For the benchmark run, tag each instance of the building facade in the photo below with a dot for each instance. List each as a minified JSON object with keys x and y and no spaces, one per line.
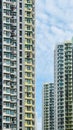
{"x":63,"y":75}
{"x":48,"y":107}
{"x":17,"y":65}
{"x":29,"y":63}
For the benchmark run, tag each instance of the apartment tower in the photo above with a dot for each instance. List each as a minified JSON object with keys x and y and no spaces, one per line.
{"x":48,"y":107}
{"x":29,"y":63}
{"x":63,"y":74}
{"x":17,"y":64}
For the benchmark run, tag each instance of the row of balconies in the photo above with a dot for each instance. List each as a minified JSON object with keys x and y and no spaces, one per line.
{"x":8,"y":121}
{"x":9,"y":79}
{"x":9,"y":64}
{"x":11,"y":71}
{"x":12,"y":53}
{"x":9,"y":93}
{"x":28,"y":2}
{"x":29,"y":111}
{"x":31,"y":96}
{"x":31,"y":92}
{"x":8,"y":15}
{"x":30,"y":63}
{"x":29,"y":22}
{"x":28,"y":56}
{"x":8,"y":37}
{"x":11,"y":101}
{"x":26,"y":70}
{"x":9,"y":108}
{"x":10,"y":2}
{"x":29,"y":36}
{"x":7,"y":112}
{"x":29,"y":118}
{"x":9,"y":34}
{"x":28,"y":9}
{"x":30,"y":49}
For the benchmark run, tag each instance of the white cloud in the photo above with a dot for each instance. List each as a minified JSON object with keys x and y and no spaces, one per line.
{"x":51,"y":29}
{"x":54,"y":24}
{"x":57,"y":30}
{"x":38,"y":123}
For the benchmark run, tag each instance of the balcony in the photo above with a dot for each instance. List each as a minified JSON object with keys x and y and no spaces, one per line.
{"x":13,"y":66}
{"x":28,"y":9}
{"x":28,"y":2}
{"x":13,"y":59}
{"x":13,"y":79}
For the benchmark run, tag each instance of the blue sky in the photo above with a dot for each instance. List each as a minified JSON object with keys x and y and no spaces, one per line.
{"x":54,"y":24}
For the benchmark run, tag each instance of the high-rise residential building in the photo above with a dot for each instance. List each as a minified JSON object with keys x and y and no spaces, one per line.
{"x":29,"y":63}
{"x":17,"y":64}
{"x":48,"y":107}
{"x":63,"y":74}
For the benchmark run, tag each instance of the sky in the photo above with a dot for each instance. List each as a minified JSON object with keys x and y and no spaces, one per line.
{"x":54,"y":24}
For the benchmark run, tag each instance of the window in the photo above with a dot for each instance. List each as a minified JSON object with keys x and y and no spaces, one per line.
{"x":12,"y":112}
{"x":20,"y":67}
{"x":12,"y":105}
{"x":8,"y":119}
{"x":28,"y":108}
{"x":7,"y":69}
{"x":20,"y":12}
{"x":20,"y":109}
{"x":7,"y":48}
{"x":28,"y":20}
{"x":21,"y":26}
{"x":28,"y":122}
{"x":20,"y":53}
{"x":20,"y":5}
{"x":28,"y":101}
{"x":28,"y":14}
{"x":20,"y":60}
{"x":28,"y":74}
{"x":20,"y":81}
{"x":7,"y":97}
{"x":28,"y":128}
{"x":7,"y":33}
{"x":28,"y":33}
{"x":20,"y":88}
{"x":28,"y":115}
{"x":7,"y":40}
{"x":7,"y":20}
{"x":7,"y":125}
{"x":8,"y":90}
{"x":7,"y":111}
{"x":21,"y":40}
{"x":29,"y":81}
{"x":20,"y":46}
{"x":20,"y":33}
{"x":7,"y":104}
{"x":28,"y":95}
{"x":28,"y":88}
{"x":28,"y":40}
{"x":28,"y":67}
{"x":21,"y":116}
{"x":28,"y":27}
{"x":7,"y":5}
{"x":20,"y":102}
{"x":20,"y":19}
{"x":20,"y":95}
{"x":20,"y":74}
{"x":28,"y":1}
{"x":20,"y":123}
{"x":7,"y":55}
